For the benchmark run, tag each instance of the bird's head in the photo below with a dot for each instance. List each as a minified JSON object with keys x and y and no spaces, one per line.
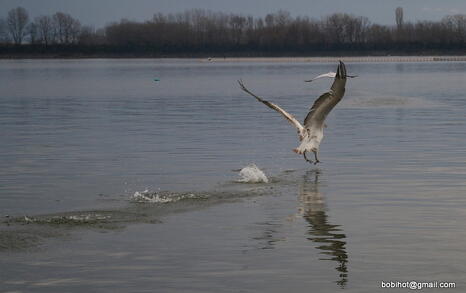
{"x":341,"y":71}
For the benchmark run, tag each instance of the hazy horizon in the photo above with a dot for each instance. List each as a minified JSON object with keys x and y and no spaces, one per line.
{"x":100,"y":13}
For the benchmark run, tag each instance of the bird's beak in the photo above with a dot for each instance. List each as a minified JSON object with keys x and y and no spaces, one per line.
{"x":341,"y":71}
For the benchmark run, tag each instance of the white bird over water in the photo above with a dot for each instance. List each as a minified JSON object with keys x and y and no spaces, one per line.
{"x":311,"y":133}
{"x":330,"y":74}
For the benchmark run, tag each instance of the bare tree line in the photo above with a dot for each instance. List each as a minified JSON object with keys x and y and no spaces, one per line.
{"x":202,"y":31}
{"x":59,"y":28}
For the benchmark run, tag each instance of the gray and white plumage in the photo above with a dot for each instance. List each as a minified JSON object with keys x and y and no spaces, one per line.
{"x":312,"y":132}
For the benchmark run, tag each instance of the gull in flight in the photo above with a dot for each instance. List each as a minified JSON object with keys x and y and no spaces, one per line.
{"x":329,"y":74}
{"x":311,"y":133}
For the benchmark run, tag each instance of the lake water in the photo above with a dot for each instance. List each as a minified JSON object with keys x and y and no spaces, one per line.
{"x":111,"y":181}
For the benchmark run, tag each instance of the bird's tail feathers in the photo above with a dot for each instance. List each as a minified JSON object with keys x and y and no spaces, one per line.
{"x":308,"y":145}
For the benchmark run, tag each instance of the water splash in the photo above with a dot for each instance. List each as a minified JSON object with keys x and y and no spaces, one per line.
{"x":77,"y":218}
{"x":147,"y":196}
{"x":252,"y":174}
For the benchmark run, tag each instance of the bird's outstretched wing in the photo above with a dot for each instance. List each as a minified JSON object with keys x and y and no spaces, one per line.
{"x":321,"y":107}
{"x":327,"y":101}
{"x":285,"y":114}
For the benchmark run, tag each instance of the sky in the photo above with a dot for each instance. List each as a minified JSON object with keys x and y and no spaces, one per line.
{"x":100,"y":12}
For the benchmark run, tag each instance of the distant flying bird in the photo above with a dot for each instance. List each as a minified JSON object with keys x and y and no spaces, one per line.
{"x":312,"y":132}
{"x":329,"y":74}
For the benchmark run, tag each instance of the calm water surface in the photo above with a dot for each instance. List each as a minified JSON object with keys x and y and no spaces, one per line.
{"x":80,"y":137}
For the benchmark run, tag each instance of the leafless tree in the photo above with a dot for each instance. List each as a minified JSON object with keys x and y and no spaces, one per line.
{"x":379,"y":36}
{"x":66,"y":28}
{"x":201,"y":31}
{"x":4,"y":38}
{"x":44,"y":29}
{"x":33,"y":33}
{"x":456,"y":26}
{"x":91,"y":37}
{"x":237,"y":24}
{"x":399,"y":17}
{"x":335,"y":28}
{"x":17,"y":21}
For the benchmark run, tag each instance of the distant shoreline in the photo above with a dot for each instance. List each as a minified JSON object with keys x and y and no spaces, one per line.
{"x":343,"y":58}
{"x":353,"y":59}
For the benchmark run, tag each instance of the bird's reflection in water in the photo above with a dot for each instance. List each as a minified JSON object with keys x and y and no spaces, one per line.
{"x":329,"y":238}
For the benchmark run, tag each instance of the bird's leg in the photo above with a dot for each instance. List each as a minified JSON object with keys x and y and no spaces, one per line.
{"x":307,"y":158}
{"x":315,"y":155}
